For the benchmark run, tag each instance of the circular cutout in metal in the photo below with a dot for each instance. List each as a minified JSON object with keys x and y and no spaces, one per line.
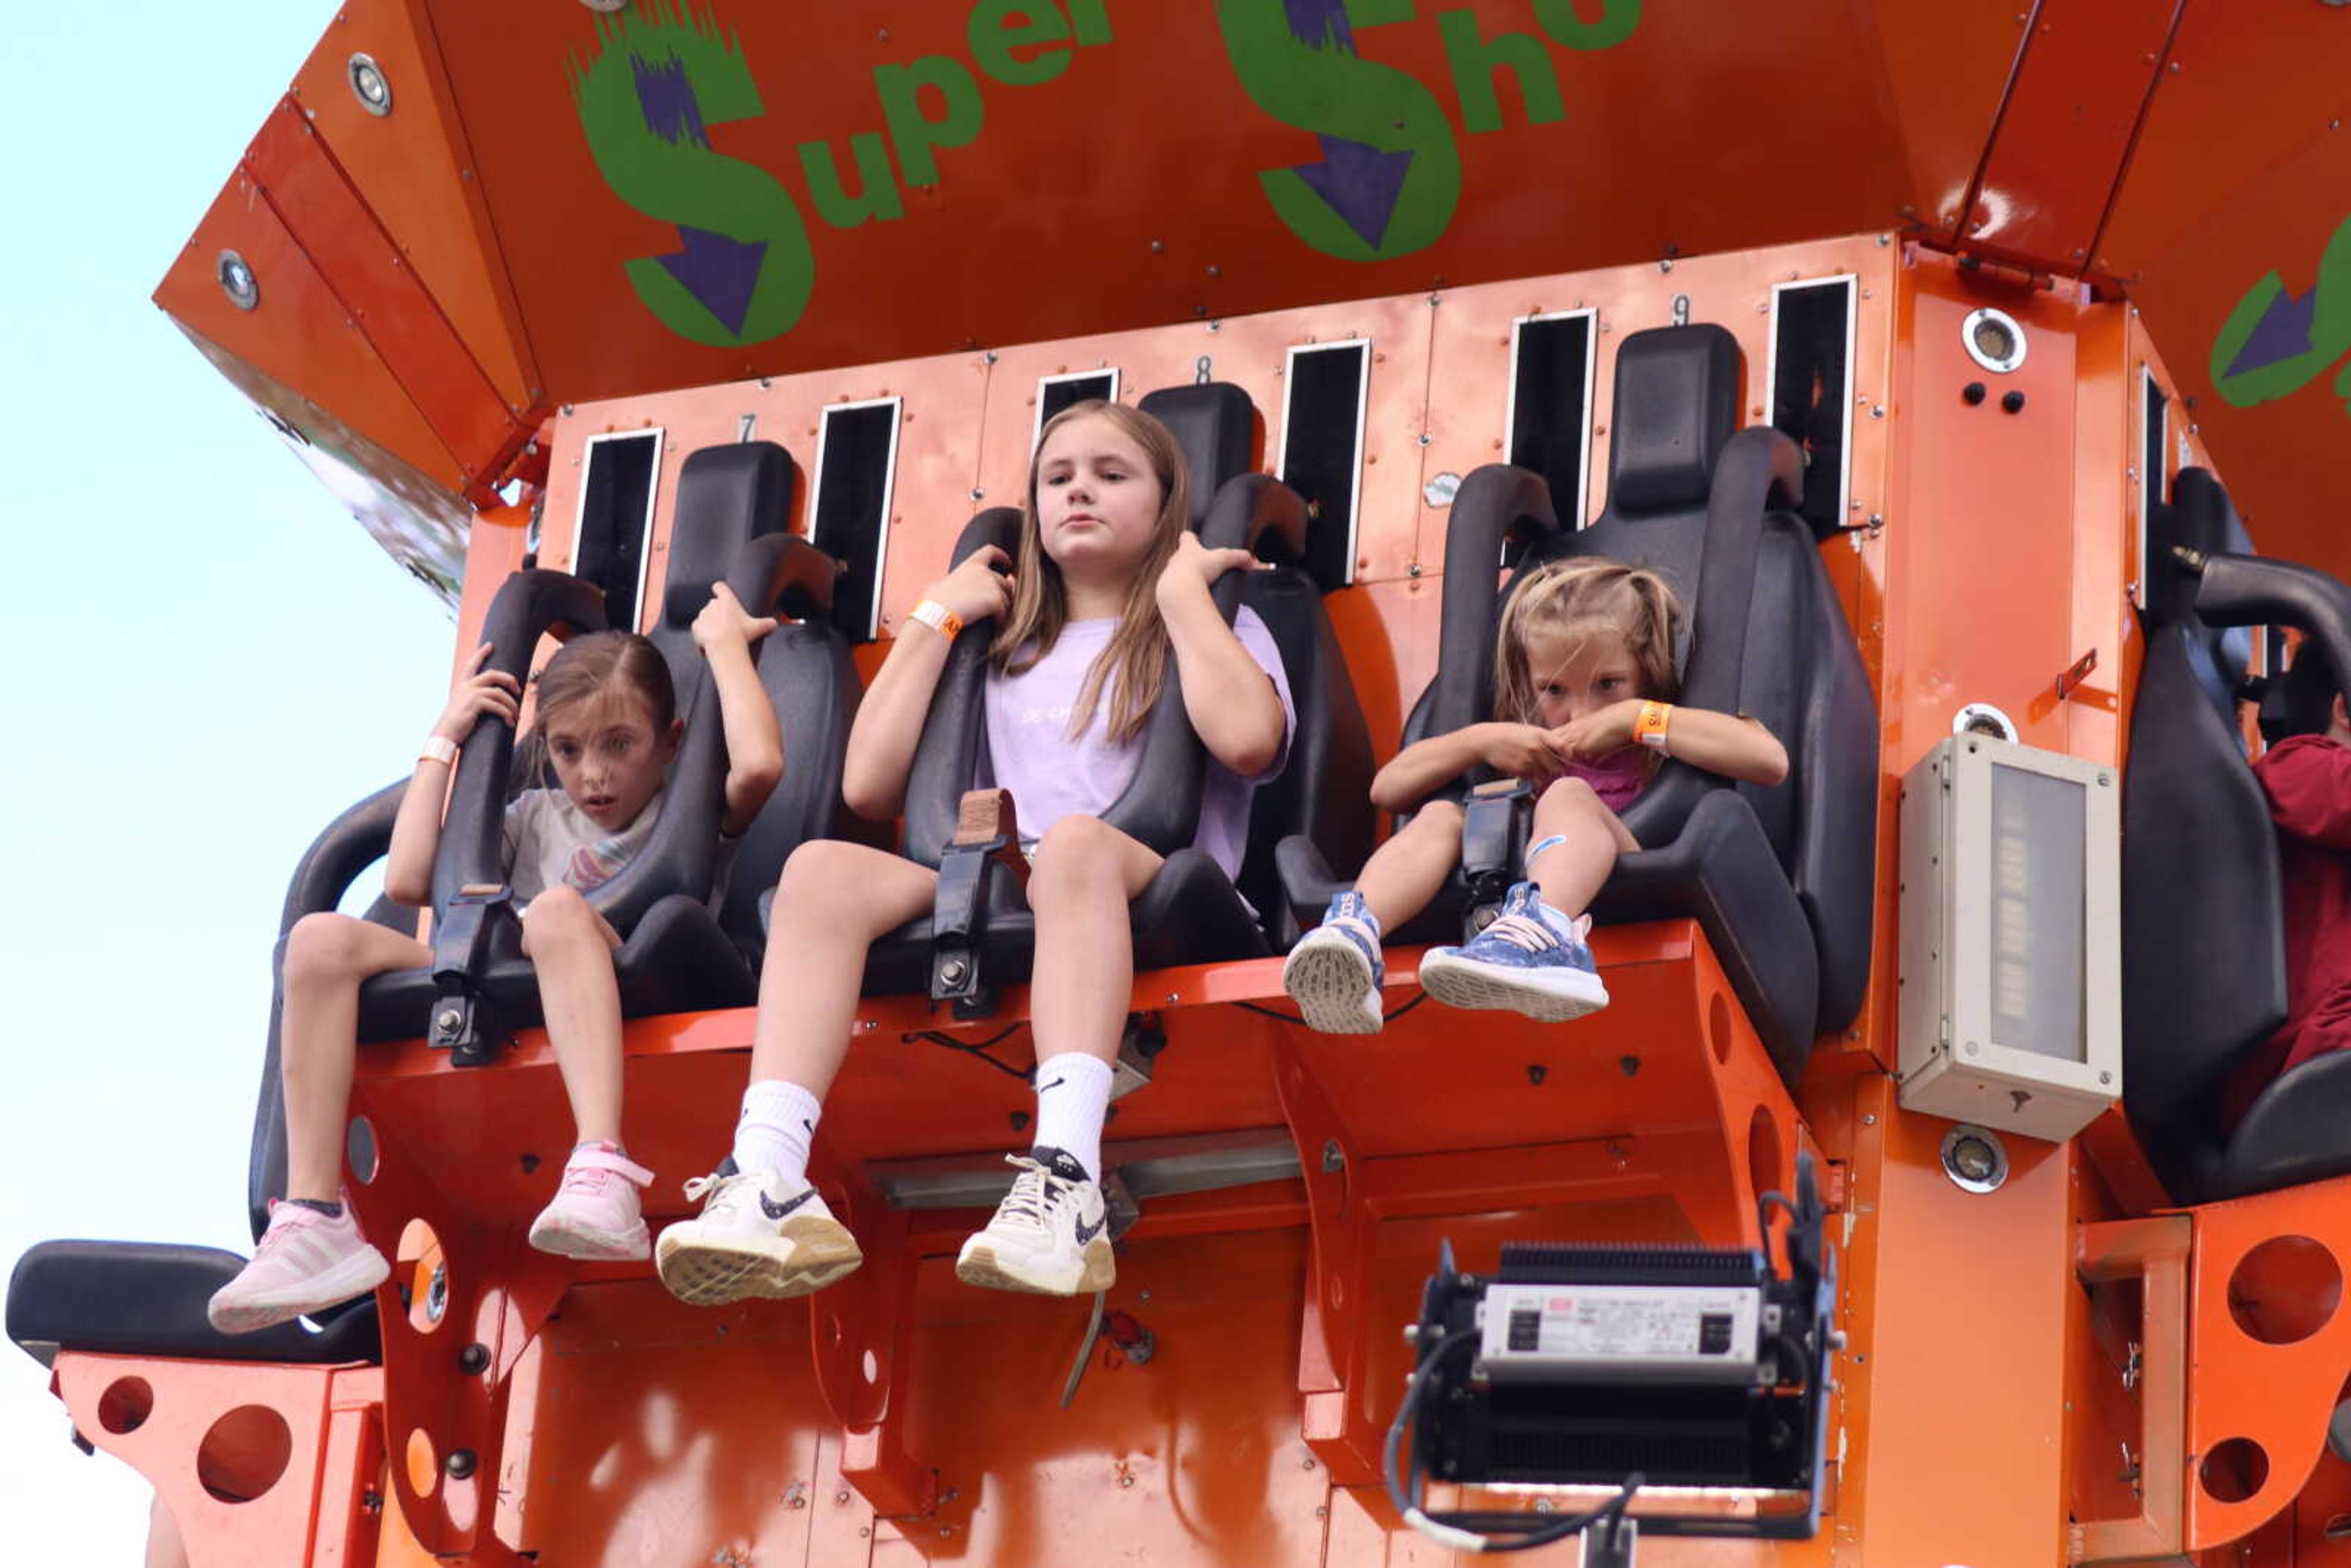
{"x":1983,"y":719}
{"x":236,"y":280}
{"x":369,"y":85}
{"x":1974,"y":1158}
{"x":1993,"y":340}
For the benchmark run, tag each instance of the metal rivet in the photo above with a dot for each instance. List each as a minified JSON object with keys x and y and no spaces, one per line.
{"x":460,"y":1463}
{"x":474,"y":1360}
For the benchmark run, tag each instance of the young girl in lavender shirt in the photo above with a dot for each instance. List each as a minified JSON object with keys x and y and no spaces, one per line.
{"x":1585,"y":682}
{"x":1109,"y":589}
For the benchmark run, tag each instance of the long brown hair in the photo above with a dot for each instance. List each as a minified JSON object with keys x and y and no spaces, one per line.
{"x":1578,"y":594}
{"x":586,"y":668}
{"x":1134,"y":664}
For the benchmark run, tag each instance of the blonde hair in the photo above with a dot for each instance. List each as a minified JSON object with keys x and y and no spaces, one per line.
{"x":1575,"y":597}
{"x":1134,"y":664}
{"x":588,"y":668}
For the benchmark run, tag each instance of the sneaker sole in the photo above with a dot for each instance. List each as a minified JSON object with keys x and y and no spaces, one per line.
{"x":566,"y":1240}
{"x":1553,"y":997}
{"x":980,"y":1264}
{"x":713,"y":1273}
{"x":1334,"y":989}
{"x":354,"y":1276}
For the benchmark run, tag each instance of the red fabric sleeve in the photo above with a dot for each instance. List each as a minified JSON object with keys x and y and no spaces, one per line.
{"x":2308,"y":780}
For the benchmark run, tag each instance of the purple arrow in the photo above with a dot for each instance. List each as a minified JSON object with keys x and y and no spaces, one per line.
{"x":717,"y":271}
{"x":666,"y":100}
{"x":1319,"y":23}
{"x":2282,"y":333}
{"x":1360,"y":183}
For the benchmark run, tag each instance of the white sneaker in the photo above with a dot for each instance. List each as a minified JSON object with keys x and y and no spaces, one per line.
{"x":758,"y":1235}
{"x":1049,"y":1234}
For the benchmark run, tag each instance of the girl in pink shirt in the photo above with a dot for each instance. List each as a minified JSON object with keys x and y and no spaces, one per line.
{"x":1110,"y":591}
{"x":1584,"y":682}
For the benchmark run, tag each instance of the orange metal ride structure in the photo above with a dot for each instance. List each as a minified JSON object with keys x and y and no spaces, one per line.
{"x":448,"y":265}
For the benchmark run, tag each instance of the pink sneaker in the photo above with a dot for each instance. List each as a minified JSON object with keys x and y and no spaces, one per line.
{"x":304,"y":1263}
{"x":594,"y":1214}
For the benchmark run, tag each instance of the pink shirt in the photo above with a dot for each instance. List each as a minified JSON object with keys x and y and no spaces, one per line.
{"x":1617,"y":779}
{"x":1052,"y":776}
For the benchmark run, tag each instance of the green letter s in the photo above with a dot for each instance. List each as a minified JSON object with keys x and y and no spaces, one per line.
{"x":659,"y":77}
{"x":1390,"y":175}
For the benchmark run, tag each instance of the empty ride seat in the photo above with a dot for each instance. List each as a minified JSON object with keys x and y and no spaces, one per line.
{"x":2204,"y":980}
{"x":1780,"y":878}
{"x":1191,"y":913}
{"x":678,"y":954}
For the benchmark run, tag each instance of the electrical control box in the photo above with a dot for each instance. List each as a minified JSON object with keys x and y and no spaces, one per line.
{"x":1622,"y":1333}
{"x":2010,"y":991}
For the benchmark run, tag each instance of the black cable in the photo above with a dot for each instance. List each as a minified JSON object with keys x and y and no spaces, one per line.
{"x":1279,"y":1017}
{"x":1440,"y":1527}
{"x":976,"y":1050}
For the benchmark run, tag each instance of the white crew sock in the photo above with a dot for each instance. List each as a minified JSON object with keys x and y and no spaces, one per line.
{"x":777,"y":1123}
{"x":1073,"y":1098}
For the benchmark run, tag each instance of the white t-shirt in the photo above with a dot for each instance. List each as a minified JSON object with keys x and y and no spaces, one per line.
{"x":549,"y":839}
{"x":1050,"y":776}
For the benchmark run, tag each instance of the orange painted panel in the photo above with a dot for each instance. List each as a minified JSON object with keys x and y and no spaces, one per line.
{"x":1964,"y":1356}
{"x":299,"y":334}
{"x":1001,"y":226}
{"x":1945,"y":73}
{"x":2067,"y":126}
{"x":414,"y":170}
{"x":361,"y":263}
{"x":1980,"y":596}
{"x":2237,"y":104}
{"x":2269,"y":395}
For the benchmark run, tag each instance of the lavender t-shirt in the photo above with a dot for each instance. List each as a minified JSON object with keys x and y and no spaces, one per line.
{"x":1052,"y":776}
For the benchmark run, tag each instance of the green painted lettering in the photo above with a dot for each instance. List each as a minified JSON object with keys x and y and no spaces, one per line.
{"x":1390,"y":183}
{"x":915,"y":134}
{"x":1092,"y":22}
{"x":877,"y":189}
{"x":661,"y":75}
{"x":1475,"y":61}
{"x":1617,"y":20}
{"x":993,"y":38}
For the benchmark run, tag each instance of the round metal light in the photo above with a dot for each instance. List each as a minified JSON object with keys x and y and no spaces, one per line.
{"x":369,"y":85}
{"x":236,"y":280}
{"x":1974,"y":1158}
{"x":1983,"y":719}
{"x":1993,"y":340}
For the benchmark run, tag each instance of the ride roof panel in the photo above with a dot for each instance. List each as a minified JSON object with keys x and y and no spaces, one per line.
{"x":681,"y":193}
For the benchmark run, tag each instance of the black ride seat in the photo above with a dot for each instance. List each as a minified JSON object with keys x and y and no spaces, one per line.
{"x":1780,"y":878}
{"x":2204,"y":978}
{"x":678,"y":954}
{"x":138,"y":1297}
{"x":1191,"y":913}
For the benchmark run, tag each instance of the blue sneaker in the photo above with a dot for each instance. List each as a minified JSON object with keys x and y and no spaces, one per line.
{"x":1335,"y":971}
{"x":1532,"y":960}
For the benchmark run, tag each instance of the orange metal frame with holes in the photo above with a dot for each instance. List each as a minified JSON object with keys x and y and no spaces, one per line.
{"x":2062,"y":1371}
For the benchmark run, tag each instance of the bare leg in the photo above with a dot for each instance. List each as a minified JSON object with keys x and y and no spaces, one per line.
{"x":834,"y":900}
{"x":1405,"y":872}
{"x":571,"y":946}
{"x":1087,"y":872}
{"x":1571,"y":873}
{"x":326,"y":957}
{"x":164,"y":1548}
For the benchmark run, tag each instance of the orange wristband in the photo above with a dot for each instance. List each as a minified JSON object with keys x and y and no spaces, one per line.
{"x":938,"y":617}
{"x":1649,"y":729}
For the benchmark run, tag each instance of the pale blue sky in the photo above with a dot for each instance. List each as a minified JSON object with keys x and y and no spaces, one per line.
{"x":206,"y":659}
